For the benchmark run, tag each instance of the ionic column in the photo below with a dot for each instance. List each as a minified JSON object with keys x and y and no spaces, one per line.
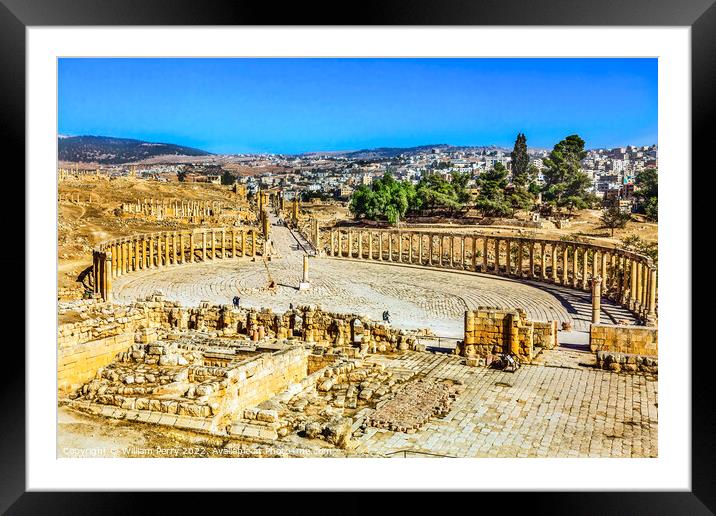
{"x":508,"y":257}
{"x":420,"y":248}
{"x":462,"y":252}
{"x":595,"y":263}
{"x":639,"y":285}
{"x":554,"y":262}
{"x":203,"y":246}
{"x":137,"y":256}
{"x":150,"y":242}
{"x":531,"y":274}
{"x":174,"y":248}
{"x":596,"y":298}
{"x":410,"y":247}
{"x":129,"y":255}
{"x":626,"y":271}
{"x":565,"y":264}
{"x":390,"y":246}
{"x":585,"y":274}
{"x":497,"y":256}
{"x":380,"y":245}
{"x":474,"y":253}
{"x":166,"y":249}
{"x":233,"y":243}
{"x":213,"y":244}
{"x":181,"y":248}
{"x":350,"y":243}
{"x":243,"y":243}
{"x":400,"y":247}
{"x":223,"y":242}
{"x":520,"y":250}
{"x":253,"y":242}
{"x":543,"y":260}
{"x":633,"y":286}
{"x":575,"y":267}
{"x":340,"y":244}
{"x":440,"y":247}
{"x":604,"y":273}
{"x":651,"y":314}
{"x":484,"y":254}
{"x":431,"y":245}
{"x":370,"y":245}
{"x":108,"y":276}
{"x":360,"y":245}
{"x":452,"y":250}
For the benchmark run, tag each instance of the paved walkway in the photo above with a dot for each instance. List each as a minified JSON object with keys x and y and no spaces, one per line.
{"x":538,"y":411}
{"x":417,"y":297}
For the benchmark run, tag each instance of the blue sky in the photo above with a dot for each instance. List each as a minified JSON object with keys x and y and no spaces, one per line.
{"x":301,"y":105}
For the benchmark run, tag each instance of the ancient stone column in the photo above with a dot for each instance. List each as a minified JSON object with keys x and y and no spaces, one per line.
{"x":595,"y":263}
{"x":474,"y":253}
{"x":452,"y":250}
{"x":484,"y":254}
{"x":203,"y":246}
{"x":585,"y":268}
{"x":370,"y":245}
{"x":633,"y":286}
{"x":520,"y":265}
{"x":380,"y":245}
{"x":137,"y":256}
{"x":462,"y":252}
{"x":543,"y":260}
{"x":107,"y":276}
{"x":316,"y":235}
{"x":531,"y":273}
{"x":410,"y":247}
{"x":575,"y":267}
{"x":497,"y":256}
{"x":350,"y":243}
{"x":553,"y":247}
{"x":305,"y":268}
{"x":253,"y":242}
{"x":604,"y":273}
{"x":181,"y":247}
{"x":431,"y":245}
{"x":623,"y":289}
{"x":596,"y":298}
{"x":339,"y":238}
{"x":175,"y":258}
{"x":166,"y":249}
{"x":441,"y":249}
{"x":243,"y":243}
{"x":213,"y":244}
{"x":360,"y":244}
{"x":565,"y":264}
{"x":651,"y":314}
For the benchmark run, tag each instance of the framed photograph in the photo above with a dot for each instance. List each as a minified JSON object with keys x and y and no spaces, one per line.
{"x":420,"y":252}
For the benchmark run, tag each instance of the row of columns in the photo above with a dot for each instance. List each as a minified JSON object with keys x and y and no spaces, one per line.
{"x":172,"y":208}
{"x":627,"y":278}
{"x":118,"y":257}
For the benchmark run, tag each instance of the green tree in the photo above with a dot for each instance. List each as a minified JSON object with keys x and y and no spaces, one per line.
{"x":181,"y":175}
{"x":520,"y":161}
{"x":613,"y":218}
{"x":647,"y":183}
{"x":227,"y":178}
{"x":492,"y":201}
{"x":565,"y":182}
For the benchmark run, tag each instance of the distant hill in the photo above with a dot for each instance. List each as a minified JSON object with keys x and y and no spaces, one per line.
{"x":111,"y":151}
{"x":391,"y":152}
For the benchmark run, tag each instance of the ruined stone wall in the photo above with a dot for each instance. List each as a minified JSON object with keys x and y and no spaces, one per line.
{"x":489,"y":331}
{"x":635,"y":340}
{"x":545,"y":334}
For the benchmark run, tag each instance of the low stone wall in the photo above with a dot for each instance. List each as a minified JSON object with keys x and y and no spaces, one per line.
{"x":633,"y":340}
{"x":492,"y":330}
{"x":78,"y":362}
{"x":545,"y":334}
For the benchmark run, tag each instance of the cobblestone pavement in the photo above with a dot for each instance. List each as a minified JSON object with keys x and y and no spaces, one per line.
{"x":417,"y":297}
{"x":538,"y":411}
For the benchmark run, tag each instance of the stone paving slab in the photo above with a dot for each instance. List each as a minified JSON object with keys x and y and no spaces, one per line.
{"x":537,"y":411}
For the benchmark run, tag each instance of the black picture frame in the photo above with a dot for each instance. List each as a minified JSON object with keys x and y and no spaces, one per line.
{"x":17,"y":15}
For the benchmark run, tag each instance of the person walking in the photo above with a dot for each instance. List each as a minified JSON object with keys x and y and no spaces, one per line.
{"x":237,"y":301}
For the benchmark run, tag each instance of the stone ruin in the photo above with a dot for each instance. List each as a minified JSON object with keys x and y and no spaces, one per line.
{"x":240,"y":373}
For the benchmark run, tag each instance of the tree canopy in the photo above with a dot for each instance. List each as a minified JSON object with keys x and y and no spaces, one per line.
{"x":565,"y":182}
{"x":520,"y":161}
{"x":647,"y":183}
